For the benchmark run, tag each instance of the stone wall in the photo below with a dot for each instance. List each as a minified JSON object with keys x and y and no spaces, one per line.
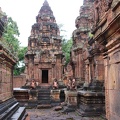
{"x":107,"y":33}
{"x":7,"y":61}
{"x":5,"y":80}
{"x":19,"y":81}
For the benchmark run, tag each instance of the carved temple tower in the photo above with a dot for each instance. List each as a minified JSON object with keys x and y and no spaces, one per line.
{"x":80,"y":37}
{"x":44,"y":55}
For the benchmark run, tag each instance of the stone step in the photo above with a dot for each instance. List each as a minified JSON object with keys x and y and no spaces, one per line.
{"x":45,"y":86}
{"x":43,"y":95}
{"x":87,"y":114}
{"x":44,"y":106}
{"x":20,"y":114}
{"x":44,"y":98}
{"x":44,"y":91}
{"x":44,"y":102}
{"x":9,"y":112}
{"x":8,"y":108}
{"x":5,"y":105}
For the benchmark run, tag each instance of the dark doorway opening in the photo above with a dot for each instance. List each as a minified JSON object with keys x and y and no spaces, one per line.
{"x":44,"y":76}
{"x":62,"y":96}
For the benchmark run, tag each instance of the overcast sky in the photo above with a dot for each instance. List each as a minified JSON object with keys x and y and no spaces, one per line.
{"x":24,"y":12}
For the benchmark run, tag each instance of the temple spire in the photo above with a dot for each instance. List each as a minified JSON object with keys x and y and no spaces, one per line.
{"x":45,"y":3}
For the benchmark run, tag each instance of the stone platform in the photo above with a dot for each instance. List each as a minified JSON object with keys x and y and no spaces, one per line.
{"x":22,"y":95}
{"x":91,"y":103}
{"x":10,"y":110}
{"x":41,"y":98}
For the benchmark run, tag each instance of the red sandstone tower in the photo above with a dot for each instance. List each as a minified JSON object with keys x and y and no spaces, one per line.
{"x":80,"y":37}
{"x":44,"y":55}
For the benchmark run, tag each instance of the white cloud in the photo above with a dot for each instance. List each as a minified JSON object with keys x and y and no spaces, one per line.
{"x":24,"y":12}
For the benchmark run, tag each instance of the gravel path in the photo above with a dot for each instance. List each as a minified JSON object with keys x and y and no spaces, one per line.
{"x":50,"y":114}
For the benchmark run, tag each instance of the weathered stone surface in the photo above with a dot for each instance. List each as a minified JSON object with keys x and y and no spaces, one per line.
{"x":22,"y":95}
{"x":49,"y":114}
{"x":107,"y":35}
{"x":57,"y":108}
{"x":7,"y":61}
{"x":55,"y":94}
{"x":91,"y":103}
{"x":19,"y":81}
{"x":81,"y":70}
{"x":9,"y":107}
{"x":44,"y":106}
{"x":72,"y":98}
{"x":87,"y":59}
{"x":44,"y":55}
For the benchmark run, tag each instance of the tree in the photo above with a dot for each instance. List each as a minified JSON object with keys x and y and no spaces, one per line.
{"x":11,"y":35}
{"x":11,"y":41}
{"x":66,"y":44}
{"x":20,"y":66}
{"x":66,"y":47}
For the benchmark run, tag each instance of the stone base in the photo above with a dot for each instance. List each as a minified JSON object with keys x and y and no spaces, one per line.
{"x":58,"y":96}
{"x":71,"y":101}
{"x":90,"y":103}
{"x":55,"y":95}
{"x":71,"y":97}
{"x":39,"y":97}
{"x":22,"y":95}
{"x":89,"y":110}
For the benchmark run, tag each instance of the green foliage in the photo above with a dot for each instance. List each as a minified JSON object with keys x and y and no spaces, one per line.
{"x":20,"y":66}
{"x":18,"y":70}
{"x":10,"y":35}
{"x":66,"y":47}
{"x":66,"y":44}
{"x":21,"y":53}
{"x":11,"y":40}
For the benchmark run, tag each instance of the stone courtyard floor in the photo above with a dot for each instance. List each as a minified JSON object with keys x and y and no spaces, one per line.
{"x":50,"y":114}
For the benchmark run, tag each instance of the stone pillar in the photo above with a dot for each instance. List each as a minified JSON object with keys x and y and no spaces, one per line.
{"x":107,"y":106}
{"x":87,"y":73}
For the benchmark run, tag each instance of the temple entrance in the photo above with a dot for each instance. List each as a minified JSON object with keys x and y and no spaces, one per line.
{"x":44,"y":76}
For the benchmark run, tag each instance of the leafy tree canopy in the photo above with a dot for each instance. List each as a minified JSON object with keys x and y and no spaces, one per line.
{"x":20,"y":66}
{"x":66,"y":47}
{"x":10,"y":36}
{"x":66,"y":44}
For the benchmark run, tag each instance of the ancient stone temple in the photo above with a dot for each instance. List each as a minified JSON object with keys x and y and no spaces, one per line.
{"x":80,"y":36}
{"x":9,"y":107}
{"x":87,"y":63}
{"x":106,"y":32}
{"x":44,"y":56}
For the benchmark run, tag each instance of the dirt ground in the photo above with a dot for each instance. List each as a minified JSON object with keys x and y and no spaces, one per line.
{"x":50,"y":114}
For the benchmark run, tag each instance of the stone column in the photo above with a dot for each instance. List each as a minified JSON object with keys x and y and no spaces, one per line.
{"x":87,"y":73}
{"x":107,"y":104}
{"x":90,"y":72}
{"x":96,"y":69}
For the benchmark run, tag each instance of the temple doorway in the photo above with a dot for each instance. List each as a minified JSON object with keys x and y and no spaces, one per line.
{"x":44,"y":76}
